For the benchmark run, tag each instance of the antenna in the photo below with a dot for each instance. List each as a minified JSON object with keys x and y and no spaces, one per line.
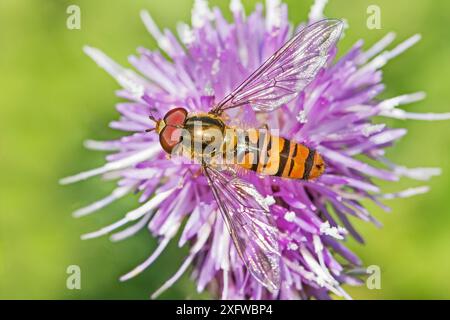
{"x":151,"y":117}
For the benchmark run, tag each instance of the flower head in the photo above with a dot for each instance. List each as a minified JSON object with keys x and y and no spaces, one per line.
{"x":334,"y":114}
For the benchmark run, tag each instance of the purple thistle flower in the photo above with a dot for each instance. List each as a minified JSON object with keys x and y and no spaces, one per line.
{"x":334,"y":115}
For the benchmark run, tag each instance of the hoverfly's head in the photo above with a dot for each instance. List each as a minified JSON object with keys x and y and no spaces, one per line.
{"x":170,"y":128}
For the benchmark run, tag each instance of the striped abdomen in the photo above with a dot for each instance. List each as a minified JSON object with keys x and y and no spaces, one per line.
{"x":263,"y":153}
{"x":252,"y":149}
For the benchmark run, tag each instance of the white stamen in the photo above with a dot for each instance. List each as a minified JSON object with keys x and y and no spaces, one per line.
{"x":185,"y":33}
{"x":203,"y":235}
{"x":388,"y":136}
{"x":201,"y":14}
{"x":127,"y":78}
{"x":209,"y":90}
{"x":256,"y":195}
{"x":225,"y":285}
{"x":115,"y":165}
{"x":236,"y":6}
{"x":292,"y":246}
{"x":100,"y":145}
{"x":318,"y":248}
{"x":383,"y":58}
{"x":403,"y":115}
{"x":147,"y":173}
{"x":273,"y":14}
{"x":316,"y":11}
{"x":150,"y":205}
{"x":299,"y":269}
{"x":406,"y":193}
{"x":153,"y":29}
{"x":116,"y":194}
{"x":417,"y":173}
{"x":269,"y":200}
{"x":356,"y":164}
{"x":334,"y":232}
{"x":103,"y":61}
{"x":137,"y":270}
{"x":172,"y":226}
{"x":84,"y":175}
{"x":243,"y":54}
{"x":289,"y":216}
{"x":223,"y":248}
{"x":131,"y":215}
{"x":200,"y":214}
{"x":201,"y":240}
{"x":371,"y":129}
{"x":380,"y":60}
{"x":215,"y":68}
{"x":301,"y":117}
{"x":323,"y":276}
{"x":377,"y":48}
{"x":174,"y":278}
{"x":136,"y":90}
{"x":402,"y":47}
{"x":130,"y":231}
{"x":391,"y":103}
{"x":105,"y":230}
{"x":388,"y":108}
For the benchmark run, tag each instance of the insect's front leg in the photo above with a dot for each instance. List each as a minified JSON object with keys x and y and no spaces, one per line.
{"x":195,"y":174}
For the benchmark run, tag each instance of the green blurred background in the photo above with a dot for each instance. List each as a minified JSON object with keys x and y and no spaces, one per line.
{"x":53,"y":97}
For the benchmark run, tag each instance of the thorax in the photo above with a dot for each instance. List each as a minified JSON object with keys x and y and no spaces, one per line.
{"x":203,"y":135}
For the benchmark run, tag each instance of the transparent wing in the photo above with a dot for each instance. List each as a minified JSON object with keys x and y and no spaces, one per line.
{"x":288,"y":71}
{"x":248,"y":220}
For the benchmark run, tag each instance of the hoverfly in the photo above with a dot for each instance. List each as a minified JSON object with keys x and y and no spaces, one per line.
{"x":277,"y":81}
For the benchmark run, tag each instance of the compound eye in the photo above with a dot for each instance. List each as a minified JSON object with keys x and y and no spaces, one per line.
{"x":170,"y":137}
{"x":175,"y":117}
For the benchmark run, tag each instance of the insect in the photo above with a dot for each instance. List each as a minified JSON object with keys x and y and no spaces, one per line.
{"x":277,"y":81}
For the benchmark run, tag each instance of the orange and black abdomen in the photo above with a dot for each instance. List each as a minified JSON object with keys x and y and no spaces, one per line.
{"x":277,"y":156}
{"x":298,"y":161}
